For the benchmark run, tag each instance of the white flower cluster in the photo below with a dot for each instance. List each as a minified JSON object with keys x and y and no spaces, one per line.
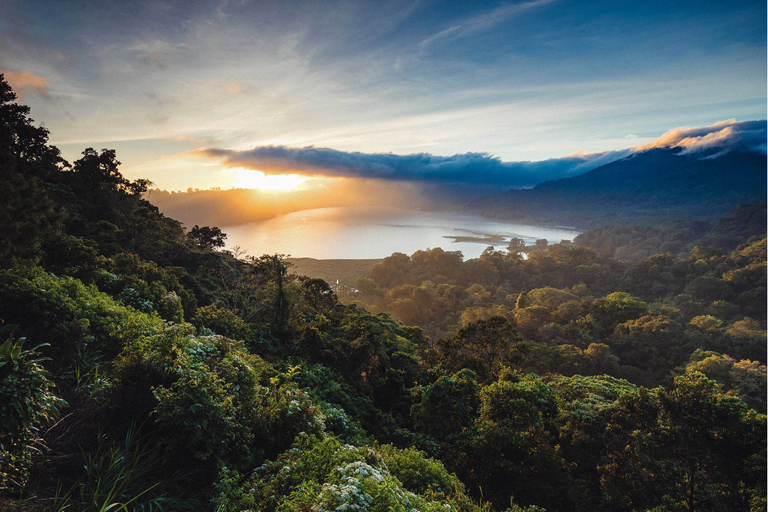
{"x":342,"y":497}
{"x":350,"y":493}
{"x":357,"y":470}
{"x":355,"y":479}
{"x":318,"y":420}
{"x":337,"y":418}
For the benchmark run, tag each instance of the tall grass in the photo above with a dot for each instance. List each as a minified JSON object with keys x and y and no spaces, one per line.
{"x":122,"y":477}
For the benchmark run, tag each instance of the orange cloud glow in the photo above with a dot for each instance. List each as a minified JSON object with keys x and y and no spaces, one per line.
{"x":23,"y":82}
{"x":236,"y":88}
{"x":695,"y":138}
{"x":247,"y":178}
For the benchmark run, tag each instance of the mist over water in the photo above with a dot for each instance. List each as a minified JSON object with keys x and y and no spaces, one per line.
{"x":376,"y":232}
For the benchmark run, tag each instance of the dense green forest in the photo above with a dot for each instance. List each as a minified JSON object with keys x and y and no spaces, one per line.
{"x":143,"y":367}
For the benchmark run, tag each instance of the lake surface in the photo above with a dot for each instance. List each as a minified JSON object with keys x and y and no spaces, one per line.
{"x":377,"y":232}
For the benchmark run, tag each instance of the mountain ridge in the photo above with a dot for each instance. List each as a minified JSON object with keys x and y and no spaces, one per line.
{"x":650,"y":187}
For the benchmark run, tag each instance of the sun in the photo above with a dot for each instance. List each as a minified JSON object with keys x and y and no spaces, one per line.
{"x":247,"y":178}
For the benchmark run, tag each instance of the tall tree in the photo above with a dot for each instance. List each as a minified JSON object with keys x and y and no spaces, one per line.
{"x":26,"y":213}
{"x":484,"y":347}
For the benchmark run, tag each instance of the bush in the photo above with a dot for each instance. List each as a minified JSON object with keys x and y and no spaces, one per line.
{"x":210,"y":399}
{"x":78,"y":321}
{"x":322,"y":474}
{"x":221,"y":321}
{"x":26,"y":404}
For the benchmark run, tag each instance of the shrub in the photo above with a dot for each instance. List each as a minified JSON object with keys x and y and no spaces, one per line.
{"x":323,"y":474}
{"x":210,"y":399}
{"x":26,"y":404}
{"x":76,"y":320}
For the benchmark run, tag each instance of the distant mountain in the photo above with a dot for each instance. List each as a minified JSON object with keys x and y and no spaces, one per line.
{"x":652,"y":187}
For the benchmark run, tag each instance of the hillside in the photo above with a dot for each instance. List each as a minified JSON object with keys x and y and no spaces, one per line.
{"x":144,"y":368}
{"x":651,"y":187}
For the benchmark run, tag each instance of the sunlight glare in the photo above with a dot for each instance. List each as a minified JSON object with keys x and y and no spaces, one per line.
{"x":247,"y":178}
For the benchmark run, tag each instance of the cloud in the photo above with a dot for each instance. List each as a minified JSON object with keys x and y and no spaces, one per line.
{"x":443,"y":34}
{"x":236,"y":88}
{"x":482,"y":22}
{"x":27,"y":82}
{"x":157,"y":119}
{"x":591,"y":161}
{"x":715,"y":139}
{"x":153,"y":58}
{"x":478,"y":169}
{"x":155,"y":98}
{"x":190,"y":138}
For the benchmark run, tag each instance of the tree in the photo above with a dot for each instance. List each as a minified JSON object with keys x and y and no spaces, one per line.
{"x":585,"y":405}
{"x":23,"y":147}
{"x":516,"y":245}
{"x":522,"y":300}
{"x":26,"y":211}
{"x":653,"y":343}
{"x":448,"y":406}
{"x":517,"y":461}
{"x":613,"y":309}
{"x":207,"y":237}
{"x":690,"y":448}
{"x":273,"y":269}
{"x":484,"y":346}
{"x":100,"y":169}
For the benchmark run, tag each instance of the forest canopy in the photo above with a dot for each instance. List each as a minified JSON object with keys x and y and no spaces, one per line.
{"x":144,"y":367}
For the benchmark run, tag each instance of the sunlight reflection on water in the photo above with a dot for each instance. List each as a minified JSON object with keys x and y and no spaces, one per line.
{"x":377,"y":232}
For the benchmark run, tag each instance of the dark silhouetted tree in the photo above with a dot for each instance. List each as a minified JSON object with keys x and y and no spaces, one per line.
{"x":207,"y":237}
{"x":26,"y":212}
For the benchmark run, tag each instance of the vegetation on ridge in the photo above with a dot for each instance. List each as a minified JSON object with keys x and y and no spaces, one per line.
{"x":144,"y":369}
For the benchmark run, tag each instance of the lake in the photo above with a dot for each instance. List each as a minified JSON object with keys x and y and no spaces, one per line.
{"x":376,"y":232}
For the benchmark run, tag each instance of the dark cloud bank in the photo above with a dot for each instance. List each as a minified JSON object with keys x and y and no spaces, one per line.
{"x":481,"y":171}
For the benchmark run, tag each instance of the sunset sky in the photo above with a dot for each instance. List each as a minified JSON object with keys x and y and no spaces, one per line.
{"x":190,"y":93}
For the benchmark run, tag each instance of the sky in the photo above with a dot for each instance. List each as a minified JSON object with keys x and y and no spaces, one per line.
{"x":200,"y":94}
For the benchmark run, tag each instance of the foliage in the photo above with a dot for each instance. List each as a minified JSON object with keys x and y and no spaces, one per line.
{"x":323,"y":474}
{"x":453,"y":399}
{"x":581,"y":312}
{"x":585,"y":406}
{"x":222,"y":321}
{"x":210,"y":402}
{"x":26,"y":405}
{"x":685,"y":461}
{"x":484,"y":347}
{"x":76,"y":320}
{"x":246,"y":401}
{"x":513,"y":441}
{"x":371,"y":353}
{"x":207,"y":237}
{"x":122,"y":477}
{"x":745,"y":379}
